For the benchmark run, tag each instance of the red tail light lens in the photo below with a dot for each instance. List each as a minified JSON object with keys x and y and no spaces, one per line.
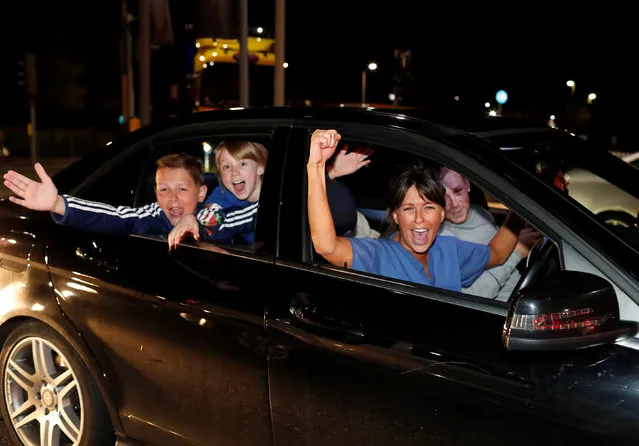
{"x":564,"y":320}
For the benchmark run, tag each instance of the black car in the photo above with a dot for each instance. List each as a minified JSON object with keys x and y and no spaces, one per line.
{"x":110,"y":338}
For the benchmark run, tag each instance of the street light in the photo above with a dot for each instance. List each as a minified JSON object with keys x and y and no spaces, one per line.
{"x":501,"y":97}
{"x":372,"y":66}
{"x":591,"y":97}
{"x":571,"y":84}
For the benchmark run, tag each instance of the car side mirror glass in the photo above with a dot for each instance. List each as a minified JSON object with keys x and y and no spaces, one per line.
{"x":568,"y":310}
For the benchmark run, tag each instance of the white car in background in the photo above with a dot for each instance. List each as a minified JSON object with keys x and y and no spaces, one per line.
{"x":542,"y":145}
{"x":632,"y":158}
{"x":611,"y":204}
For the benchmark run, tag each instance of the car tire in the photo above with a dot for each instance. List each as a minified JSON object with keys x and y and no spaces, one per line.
{"x":48,"y":390}
{"x":617,"y":218}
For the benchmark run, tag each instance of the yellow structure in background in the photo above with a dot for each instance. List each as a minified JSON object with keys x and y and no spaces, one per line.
{"x":211,"y":51}
{"x":134,"y":123}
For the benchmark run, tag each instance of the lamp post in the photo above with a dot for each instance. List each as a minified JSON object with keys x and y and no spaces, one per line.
{"x":591,"y":97}
{"x":372,"y":67}
{"x":571,"y":84}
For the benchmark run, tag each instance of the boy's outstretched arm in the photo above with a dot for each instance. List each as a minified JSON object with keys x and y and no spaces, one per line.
{"x":82,"y":214}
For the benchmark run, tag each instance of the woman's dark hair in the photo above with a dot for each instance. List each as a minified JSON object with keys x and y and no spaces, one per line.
{"x":425,"y":178}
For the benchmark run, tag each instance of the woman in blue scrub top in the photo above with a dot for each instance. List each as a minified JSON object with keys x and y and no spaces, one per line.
{"x":411,"y":249}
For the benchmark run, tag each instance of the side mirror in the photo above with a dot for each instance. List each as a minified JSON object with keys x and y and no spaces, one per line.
{"x":568,"y":310}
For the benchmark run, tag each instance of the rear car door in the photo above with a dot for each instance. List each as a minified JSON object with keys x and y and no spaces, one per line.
{"x":180,"y":335}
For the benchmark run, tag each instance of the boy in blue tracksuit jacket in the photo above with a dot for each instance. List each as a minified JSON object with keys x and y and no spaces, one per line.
{"x":180,"y":190}
{"x":233,"y":205}
{"x":149,"y":219}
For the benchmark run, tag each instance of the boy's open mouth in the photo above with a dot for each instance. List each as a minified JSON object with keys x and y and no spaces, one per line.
{"x":239,"y":187}
{"x":176,"y":211}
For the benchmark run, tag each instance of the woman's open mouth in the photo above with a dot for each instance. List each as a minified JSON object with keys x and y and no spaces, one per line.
{"x":420,"y":235}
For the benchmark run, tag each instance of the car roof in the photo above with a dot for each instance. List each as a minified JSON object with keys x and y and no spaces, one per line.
{"x":472,"y":121}
{"x":450,"y":119}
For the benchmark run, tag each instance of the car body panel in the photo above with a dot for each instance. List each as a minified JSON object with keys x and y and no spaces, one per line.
{"x":26,"y":292}
{"x":223,"y":344}
{"x":383,"y":344}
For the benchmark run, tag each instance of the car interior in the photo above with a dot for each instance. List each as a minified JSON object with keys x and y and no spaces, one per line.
{"x":204,"y":149}
{"x":368,"y":189}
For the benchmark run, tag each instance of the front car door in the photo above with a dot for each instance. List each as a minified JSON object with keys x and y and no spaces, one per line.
{"x":372,"y":360}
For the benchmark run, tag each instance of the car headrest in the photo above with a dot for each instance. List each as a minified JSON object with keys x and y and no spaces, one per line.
{"x":211,"y":181}
{"x":342,"y":205}
{"x":477,"y":196}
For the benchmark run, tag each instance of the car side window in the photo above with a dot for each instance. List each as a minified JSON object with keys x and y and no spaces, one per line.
{"x":117,"y":186}
{"x":471,"y":219}
{"x":231,"y":203}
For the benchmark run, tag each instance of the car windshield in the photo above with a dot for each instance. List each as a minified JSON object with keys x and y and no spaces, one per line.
{"x":599,"y":181}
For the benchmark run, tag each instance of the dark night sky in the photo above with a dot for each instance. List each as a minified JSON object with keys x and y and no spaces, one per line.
{"x":470,"y":52}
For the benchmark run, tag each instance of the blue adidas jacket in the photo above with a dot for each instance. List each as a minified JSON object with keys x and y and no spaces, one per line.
{"x":227,"y":213}
{"x":102,"y":218}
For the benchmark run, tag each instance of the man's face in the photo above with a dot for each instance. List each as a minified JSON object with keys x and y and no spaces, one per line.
{"x":176,"y":193}
{"x":242,"y":177}
{"x":457,"y":198}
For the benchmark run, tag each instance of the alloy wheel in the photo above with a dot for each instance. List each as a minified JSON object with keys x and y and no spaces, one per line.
{"x":42,"y":395}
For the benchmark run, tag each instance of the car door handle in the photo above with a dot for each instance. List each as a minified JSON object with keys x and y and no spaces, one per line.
{"x":313,"y":316}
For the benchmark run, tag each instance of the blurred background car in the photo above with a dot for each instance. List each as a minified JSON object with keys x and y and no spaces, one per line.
{"x":632,"y":158}
{"x":610,"y":203}
{"x":563,"y":159}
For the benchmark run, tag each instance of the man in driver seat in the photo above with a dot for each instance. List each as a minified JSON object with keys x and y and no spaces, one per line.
{"x":474,"y":223}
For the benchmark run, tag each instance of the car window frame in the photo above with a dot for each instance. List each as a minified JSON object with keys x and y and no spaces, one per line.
{"x":447,"y":152}
{"x":279,"y":129}
{"x":607,"y":259}
{"x":356,"y":132}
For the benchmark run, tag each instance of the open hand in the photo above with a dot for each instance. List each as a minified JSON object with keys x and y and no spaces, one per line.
{"x":346,"y":163}
{"x":39,"y":196}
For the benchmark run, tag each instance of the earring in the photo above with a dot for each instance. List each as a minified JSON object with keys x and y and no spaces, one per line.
{"x":469,"y":189}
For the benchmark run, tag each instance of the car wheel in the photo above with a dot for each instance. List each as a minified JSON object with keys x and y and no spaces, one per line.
{"x":616,"y":218}
{"x":48,"y":395}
